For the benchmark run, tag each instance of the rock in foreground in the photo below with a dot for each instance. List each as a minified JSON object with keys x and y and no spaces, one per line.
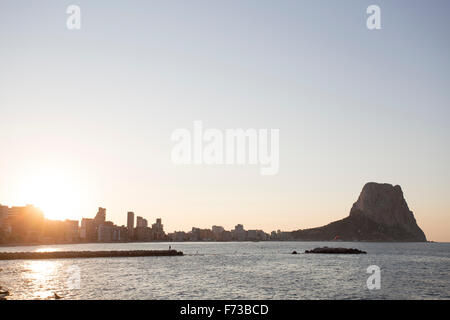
{"x":336,"y":250}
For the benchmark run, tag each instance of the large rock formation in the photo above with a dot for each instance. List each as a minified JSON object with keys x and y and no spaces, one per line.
{"x":380,"y":214}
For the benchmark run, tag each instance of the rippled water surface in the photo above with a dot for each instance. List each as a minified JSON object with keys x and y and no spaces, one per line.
{"x":250,"y":270}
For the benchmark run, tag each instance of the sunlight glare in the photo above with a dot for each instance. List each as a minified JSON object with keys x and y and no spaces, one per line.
{"x":56,"y":193}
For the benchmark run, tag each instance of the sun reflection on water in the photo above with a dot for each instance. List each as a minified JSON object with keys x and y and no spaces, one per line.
{"x":47,"y":250}
{"x":39,"y":278}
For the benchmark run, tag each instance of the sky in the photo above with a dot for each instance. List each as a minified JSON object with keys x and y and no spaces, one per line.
{"x":86,"y":116}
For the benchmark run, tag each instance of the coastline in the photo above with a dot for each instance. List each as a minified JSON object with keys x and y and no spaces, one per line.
{"x":3,"y":245}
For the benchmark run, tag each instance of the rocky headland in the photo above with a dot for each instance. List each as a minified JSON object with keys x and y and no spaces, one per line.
{"x":380,"y":214}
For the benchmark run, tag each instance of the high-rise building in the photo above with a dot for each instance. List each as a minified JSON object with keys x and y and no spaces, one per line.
{"x":217,"y":229}
{"x":239,"y":232}
{"x":88,"y":230}
{"x":70,"y":230}
{"x":130,"y":224}
{"x":5,"y":229}
{"x":100,"y":217}
{"x":141,"y":222}
{"x":158,"y":230}
{"x":217,"y":232}
{"x":105,"y":233}
{"x":3,"y":215}
{"x":25,"y":224}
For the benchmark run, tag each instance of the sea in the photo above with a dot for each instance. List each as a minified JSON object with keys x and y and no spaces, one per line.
{"x":235,"y":270}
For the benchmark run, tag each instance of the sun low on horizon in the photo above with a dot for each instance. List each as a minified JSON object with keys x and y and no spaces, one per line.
{"x":56,"y":192}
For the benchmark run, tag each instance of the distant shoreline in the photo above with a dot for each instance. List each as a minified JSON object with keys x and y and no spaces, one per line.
{"x":204,"y":241}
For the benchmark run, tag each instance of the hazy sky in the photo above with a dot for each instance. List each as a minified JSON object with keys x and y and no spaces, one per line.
{"x":86,"y":116}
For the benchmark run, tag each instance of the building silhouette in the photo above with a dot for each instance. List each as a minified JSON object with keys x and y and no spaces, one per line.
{"x":130,"y":224}
{"x":28,"y":225}
{"x":141,"y":222}
{"x":158,"y":230}
{"x":21,"y":224}
{"x":100,"y":217}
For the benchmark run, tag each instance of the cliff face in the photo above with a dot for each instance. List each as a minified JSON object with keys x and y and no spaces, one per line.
{"x":380,"y":214}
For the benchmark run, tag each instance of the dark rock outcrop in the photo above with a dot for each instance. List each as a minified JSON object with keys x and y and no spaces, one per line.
{"x":380,"y":214}
{"x":336,"y":251}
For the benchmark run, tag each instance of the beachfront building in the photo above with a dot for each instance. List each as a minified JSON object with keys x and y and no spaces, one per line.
{"x":141,"y":222}
{"x":158,"y":230}
{"x":130,"y":224}
{"x":239,"y":233}
{"x":21,"y":224}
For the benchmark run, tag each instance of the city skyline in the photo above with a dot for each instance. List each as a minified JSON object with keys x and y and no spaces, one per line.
{"x":86,"y":116}
{"x":28,"y":225}
{"x":132,"y":220}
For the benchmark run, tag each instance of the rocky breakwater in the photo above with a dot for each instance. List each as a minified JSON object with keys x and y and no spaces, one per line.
{"x":87,"y":254}
{"x":336,"y":250}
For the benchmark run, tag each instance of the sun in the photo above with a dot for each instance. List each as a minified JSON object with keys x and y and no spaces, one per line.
{"x":55,"y":192}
